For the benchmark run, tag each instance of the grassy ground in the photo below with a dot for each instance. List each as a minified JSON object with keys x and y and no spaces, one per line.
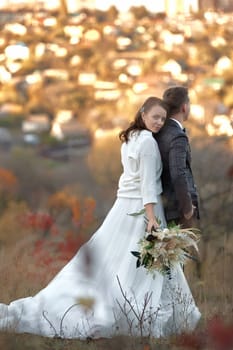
{"x":28,"y":342}
{"x":212,"y":291}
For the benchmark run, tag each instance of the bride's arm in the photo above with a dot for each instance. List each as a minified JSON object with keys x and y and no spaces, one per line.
{"x":148,"y":166}
{"x":152,"y":222}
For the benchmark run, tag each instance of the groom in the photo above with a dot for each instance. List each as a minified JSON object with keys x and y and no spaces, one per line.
{"x":179,"y":190}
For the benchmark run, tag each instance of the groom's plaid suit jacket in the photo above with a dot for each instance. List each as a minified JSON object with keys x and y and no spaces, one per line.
{"x":179,"y":190}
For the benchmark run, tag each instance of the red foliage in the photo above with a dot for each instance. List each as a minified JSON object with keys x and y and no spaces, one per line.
{"x":41,"y":222}
{"x":230,"y":172}
{"x":220,"y":334}
{"x":57,"y":244}
{"x":146,"y":347}
{"x":216,"y":336}
{"x":82,"y":216}
{"x":8,"y":181}
{"x":195,"y":341}
{"x":69,"y":246}
{"x":47,"y":250}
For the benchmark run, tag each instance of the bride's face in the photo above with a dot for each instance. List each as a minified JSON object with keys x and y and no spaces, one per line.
{"x":155,"y":118}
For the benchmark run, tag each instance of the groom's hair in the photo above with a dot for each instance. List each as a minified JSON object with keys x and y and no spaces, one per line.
{"x":175,"y":97}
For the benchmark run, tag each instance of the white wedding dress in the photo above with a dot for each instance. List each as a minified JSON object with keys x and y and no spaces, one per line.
{"x":100,"y":292}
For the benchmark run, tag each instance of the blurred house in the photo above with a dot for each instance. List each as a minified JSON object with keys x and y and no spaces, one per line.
{"x":56,"y":49}
{"x":72,"y":138}
{"x":56,"y":74}
{"x":74,"y":32}
{"x":10,"y":108}
{"x":92,"y":35}
{"x":50,"y":21}
{"x":123,"y":42}
{"x":6,"y":139}
{"x":108,"y":95}
{"x":63,"y":116}
{"x":173,"y":69}
{"x":197,"y":112}
{"x":36,"y":123}
{"x":221,"y":125}
{"x":106,"y":90}
{"x":5,"y":75}
{"x":170,"y":39}
{"x":65,"y":127}
{"x":87,"y":78}
{"x":15,"y":28}
{"x":72,"y":132}
{"x":33,"y":126}
{"x":17,"y":51}
{"x":134,"y":68}
{"x":224,"y":63}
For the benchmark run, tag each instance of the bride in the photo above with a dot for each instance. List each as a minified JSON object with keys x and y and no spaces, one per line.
{"x":100,"y":293}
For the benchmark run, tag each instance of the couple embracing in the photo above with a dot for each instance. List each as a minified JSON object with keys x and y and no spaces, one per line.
{"x":123,"y":299}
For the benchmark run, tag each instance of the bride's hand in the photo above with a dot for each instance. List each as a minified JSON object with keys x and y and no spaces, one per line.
{"x":152,"y":224}
{"x":150,"y":214}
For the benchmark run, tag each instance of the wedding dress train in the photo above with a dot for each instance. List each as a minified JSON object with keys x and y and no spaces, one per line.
{"x":101,"y":293}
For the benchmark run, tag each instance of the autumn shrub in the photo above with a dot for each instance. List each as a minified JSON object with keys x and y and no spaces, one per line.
{"x":216,"y":335}
{"x":36,"y":244}
{"x":34,"y":175}
{"x":11,"y":229}
{"x":8,"y":187}
{"x":59,"y":230}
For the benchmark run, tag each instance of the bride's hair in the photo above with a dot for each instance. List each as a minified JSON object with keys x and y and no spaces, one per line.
{"x":138,"y":123}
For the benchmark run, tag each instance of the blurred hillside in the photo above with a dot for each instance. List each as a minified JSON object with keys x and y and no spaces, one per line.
{"x":101,"y":65}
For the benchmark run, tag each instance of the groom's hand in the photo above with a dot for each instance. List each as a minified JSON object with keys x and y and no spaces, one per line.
{"x":190,"y":214}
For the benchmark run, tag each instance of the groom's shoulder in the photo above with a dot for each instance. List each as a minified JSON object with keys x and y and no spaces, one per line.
{"x":169,"y":130}
{"x":166,"y":131}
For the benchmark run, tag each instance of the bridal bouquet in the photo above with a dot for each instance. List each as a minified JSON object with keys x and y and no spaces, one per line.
{"x":161,"y":249}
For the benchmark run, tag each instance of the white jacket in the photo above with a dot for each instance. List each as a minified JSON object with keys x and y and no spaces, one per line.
{"x":142,"y":168}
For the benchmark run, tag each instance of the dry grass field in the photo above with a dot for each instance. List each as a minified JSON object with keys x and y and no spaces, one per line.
{"x":212,"y":291}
